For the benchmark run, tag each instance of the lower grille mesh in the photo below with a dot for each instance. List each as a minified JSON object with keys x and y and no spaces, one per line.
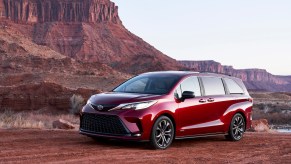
{"x":102,"y":124}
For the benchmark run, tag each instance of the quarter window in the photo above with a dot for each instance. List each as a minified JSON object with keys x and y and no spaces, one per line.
{"x":213,"y":86}
{"x":233,"y":87}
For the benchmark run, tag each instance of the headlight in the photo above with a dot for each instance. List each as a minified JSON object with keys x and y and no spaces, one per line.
{"x":138,"y":105}
{"x":89,"y":102}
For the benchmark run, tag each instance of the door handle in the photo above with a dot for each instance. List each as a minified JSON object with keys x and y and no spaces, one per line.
{"x":210,"y":100}
{"x":202,"y":101}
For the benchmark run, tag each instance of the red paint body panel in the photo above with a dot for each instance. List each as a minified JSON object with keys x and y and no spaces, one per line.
{"x":190,"y":117}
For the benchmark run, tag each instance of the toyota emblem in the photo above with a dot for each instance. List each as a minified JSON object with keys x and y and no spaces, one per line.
{"x":99,"y":107}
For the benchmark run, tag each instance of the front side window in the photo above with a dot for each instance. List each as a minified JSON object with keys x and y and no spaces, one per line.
{"x":213,"y":86}
{"x":233,"y":87}
{"x":189,"y":84}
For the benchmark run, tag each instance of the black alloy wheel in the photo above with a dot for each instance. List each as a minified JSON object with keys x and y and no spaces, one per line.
{"x":163,"y":133}
{"x":237,"y":128}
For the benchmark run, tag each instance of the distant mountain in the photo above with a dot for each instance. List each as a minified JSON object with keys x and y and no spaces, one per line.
{"x":254,"y":79}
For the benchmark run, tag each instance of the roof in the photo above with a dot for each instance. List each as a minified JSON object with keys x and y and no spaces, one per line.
{"x":188,"y":73}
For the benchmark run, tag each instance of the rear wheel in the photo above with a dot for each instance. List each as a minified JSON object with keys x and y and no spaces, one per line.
{"x":237,"y":128}
{"x":162,"y":133}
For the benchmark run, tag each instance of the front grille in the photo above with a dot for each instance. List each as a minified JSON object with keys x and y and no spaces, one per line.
{"x":102,"y":124}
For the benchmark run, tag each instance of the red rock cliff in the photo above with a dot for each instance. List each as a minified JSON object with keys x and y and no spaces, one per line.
{"x":86,"y":30}
{"x":31,"y":11}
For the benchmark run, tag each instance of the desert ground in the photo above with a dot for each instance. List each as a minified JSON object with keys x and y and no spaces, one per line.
{"x":58,"y":146}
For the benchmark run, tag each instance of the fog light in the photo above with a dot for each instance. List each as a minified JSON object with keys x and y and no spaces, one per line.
{"x":137,"y":135}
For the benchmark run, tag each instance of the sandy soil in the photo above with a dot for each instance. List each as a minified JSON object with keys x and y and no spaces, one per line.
{"x":34,"y":146}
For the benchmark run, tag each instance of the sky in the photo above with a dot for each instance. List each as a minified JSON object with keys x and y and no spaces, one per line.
{"x":241,"y":33}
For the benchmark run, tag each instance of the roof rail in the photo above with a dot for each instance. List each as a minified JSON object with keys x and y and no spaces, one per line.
{"x":216,"y":73}
{"x":188,"y":70}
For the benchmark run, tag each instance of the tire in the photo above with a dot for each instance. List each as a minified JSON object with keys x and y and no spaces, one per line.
{"x":236,"y":128}
{"x":163,"y":133}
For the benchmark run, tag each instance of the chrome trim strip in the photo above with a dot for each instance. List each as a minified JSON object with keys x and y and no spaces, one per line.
{"x":118,"y":107}
{"x":91,"y":105}
{"x":202,"y":135}
{"x":203,"y":125}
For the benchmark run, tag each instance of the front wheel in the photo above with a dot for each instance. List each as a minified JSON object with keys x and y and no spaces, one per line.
{"x":237,"y":128}
{"x":163,"y":133}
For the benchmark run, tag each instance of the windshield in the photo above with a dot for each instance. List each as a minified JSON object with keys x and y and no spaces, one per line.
{"x":149,"y":84}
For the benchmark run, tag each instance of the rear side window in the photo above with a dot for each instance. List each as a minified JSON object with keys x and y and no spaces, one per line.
{"x":189,"y":84}
{"x":233,"y":87}
{"x":213,"y":86}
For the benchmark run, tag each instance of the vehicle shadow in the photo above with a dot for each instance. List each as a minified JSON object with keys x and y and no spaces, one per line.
{"x":113,"y":143}
{"x":197,"y":141}
{"x":146,"y":145}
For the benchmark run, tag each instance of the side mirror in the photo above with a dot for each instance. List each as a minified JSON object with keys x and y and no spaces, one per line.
{"x":187,"y":95}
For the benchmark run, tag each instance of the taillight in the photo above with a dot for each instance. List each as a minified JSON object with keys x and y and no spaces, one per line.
{"x":250,"y":99}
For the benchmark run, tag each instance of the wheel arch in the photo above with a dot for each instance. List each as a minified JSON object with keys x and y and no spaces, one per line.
{"x":241,"y":108}
{"x":170,"y":116}
{"x":244,"y":116}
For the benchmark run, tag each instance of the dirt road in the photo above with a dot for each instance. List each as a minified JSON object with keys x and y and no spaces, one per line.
{"x":35,"y":146}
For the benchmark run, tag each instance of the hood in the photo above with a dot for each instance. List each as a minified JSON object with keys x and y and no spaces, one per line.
{"x":116,"y":98}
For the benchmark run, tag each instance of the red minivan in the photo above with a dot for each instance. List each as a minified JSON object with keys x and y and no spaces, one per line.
{"x":161,"y":106}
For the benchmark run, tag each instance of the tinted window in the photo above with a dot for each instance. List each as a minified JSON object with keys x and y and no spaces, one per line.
{"x":213,"y":86}
{"x":149,"y":84}
{"x":189,"y":84}
{"x":233,"y":87}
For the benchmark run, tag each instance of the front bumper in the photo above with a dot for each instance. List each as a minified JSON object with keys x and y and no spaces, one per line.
{"x":105,"y":125}
{"x":127,"y":125}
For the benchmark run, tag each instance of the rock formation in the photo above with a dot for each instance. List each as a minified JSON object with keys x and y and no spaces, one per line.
{"x":87,"y":30}
{"x":260,"y":126}
{"x":39,"y":11}
{"x":34,"y":77}
{"x":52,"y":49}
{"x":62,"y":124}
